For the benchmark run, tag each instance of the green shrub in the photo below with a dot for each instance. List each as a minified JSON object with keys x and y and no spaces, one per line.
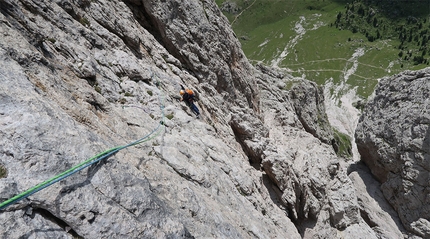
{"x":169,"y":116}
{"x":343,"y":145}
{"x":290,"y":83}
{"x":84,"y":21}
{"x":98,"y":89}
{"x":3,"y":171}
{"x":51,"y":39}
{"x":122,"y":101}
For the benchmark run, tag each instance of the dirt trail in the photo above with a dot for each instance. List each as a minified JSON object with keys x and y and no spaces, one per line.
{"x":338,"y":59}
{"x":238,"y":15}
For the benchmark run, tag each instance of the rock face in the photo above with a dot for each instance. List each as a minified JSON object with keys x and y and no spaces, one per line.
{"x":314,"y":187}
{"x":393,"y":137}
{"x":197,"y":34}
{"x":308,"y":100}
{"x":79,"y":77}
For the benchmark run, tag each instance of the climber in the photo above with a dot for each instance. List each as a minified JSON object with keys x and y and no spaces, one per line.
{"x":189,"y":98}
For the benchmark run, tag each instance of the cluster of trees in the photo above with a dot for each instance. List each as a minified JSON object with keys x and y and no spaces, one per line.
{"x":358,"y":17}
{"x":412,"y":32}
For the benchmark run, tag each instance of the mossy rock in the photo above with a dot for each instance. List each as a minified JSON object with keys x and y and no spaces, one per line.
{"x":3,"y":171}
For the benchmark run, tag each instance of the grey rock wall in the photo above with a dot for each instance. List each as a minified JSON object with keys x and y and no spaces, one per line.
{"x":79,"y":77}
{"x":314,"y":186}
{"x":393,"y":139}
{"x":197,"y":34}
{"x":308,"y":99}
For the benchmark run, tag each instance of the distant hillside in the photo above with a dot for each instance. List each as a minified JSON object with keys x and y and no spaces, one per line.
{"x":399,"y":9}
{"x":349,"y":44}
{"x":405,"y":21}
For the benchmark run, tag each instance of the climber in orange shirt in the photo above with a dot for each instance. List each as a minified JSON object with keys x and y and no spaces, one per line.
{"x":188,"y":97}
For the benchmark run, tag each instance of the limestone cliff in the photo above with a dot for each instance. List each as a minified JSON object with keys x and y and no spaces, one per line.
{"x":82,"y":76}
{"x":393,"y":137}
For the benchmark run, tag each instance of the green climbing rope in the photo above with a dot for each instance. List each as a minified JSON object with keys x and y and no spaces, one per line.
{"x":87,"y":162}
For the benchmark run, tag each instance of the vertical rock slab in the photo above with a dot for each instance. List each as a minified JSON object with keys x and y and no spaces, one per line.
{"x":199,"y":35}
{"x":308,"y":99}
{"x":71,"y":72}
{"x":393,"y":138}
{"x":374,"y":208}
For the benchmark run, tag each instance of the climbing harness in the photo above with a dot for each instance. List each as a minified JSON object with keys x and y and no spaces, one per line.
{"x":89,"y":161}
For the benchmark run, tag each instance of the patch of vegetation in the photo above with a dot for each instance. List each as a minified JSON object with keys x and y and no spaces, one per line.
{"x":258,"y":13}
{"x":169,"y":116}
{"x":84,"y":21}
{"x":289,"y":84}
{"x":360,"y":105}
{"x":149,"y":92}
{"x":342,"y":145}
{"x":128,"y":94}
{"x":3,"y":171}
{"x":374,"y":20}
{"x":52,"y":40}
{"x":122,"y":101}
{"x":98,"y":89}
{"x":324,"y":52}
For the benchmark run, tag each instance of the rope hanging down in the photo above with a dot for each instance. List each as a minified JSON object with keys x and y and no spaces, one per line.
{"x":87,"y":162}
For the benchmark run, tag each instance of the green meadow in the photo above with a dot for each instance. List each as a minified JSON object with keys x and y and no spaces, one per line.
{"x":310,"y":39}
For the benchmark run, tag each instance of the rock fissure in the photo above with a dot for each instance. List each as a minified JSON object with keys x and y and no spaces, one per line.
{"x":32,"y":211}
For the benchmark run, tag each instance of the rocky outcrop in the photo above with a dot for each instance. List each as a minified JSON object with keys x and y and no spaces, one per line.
{"x":314,"y":187}
{"x":372,"y":202}
{"x":393,"y":138}
{"x":308,"y":100}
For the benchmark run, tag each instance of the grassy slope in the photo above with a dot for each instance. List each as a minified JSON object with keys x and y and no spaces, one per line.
{"x":267,"y":27}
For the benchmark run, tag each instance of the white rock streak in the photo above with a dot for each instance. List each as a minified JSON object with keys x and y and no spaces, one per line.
{"x":339,"y":103}
{"x":354,"y":59}
{"x":300,"y":30}
{"x":264,"y":43}
{"x":300,"y":27}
